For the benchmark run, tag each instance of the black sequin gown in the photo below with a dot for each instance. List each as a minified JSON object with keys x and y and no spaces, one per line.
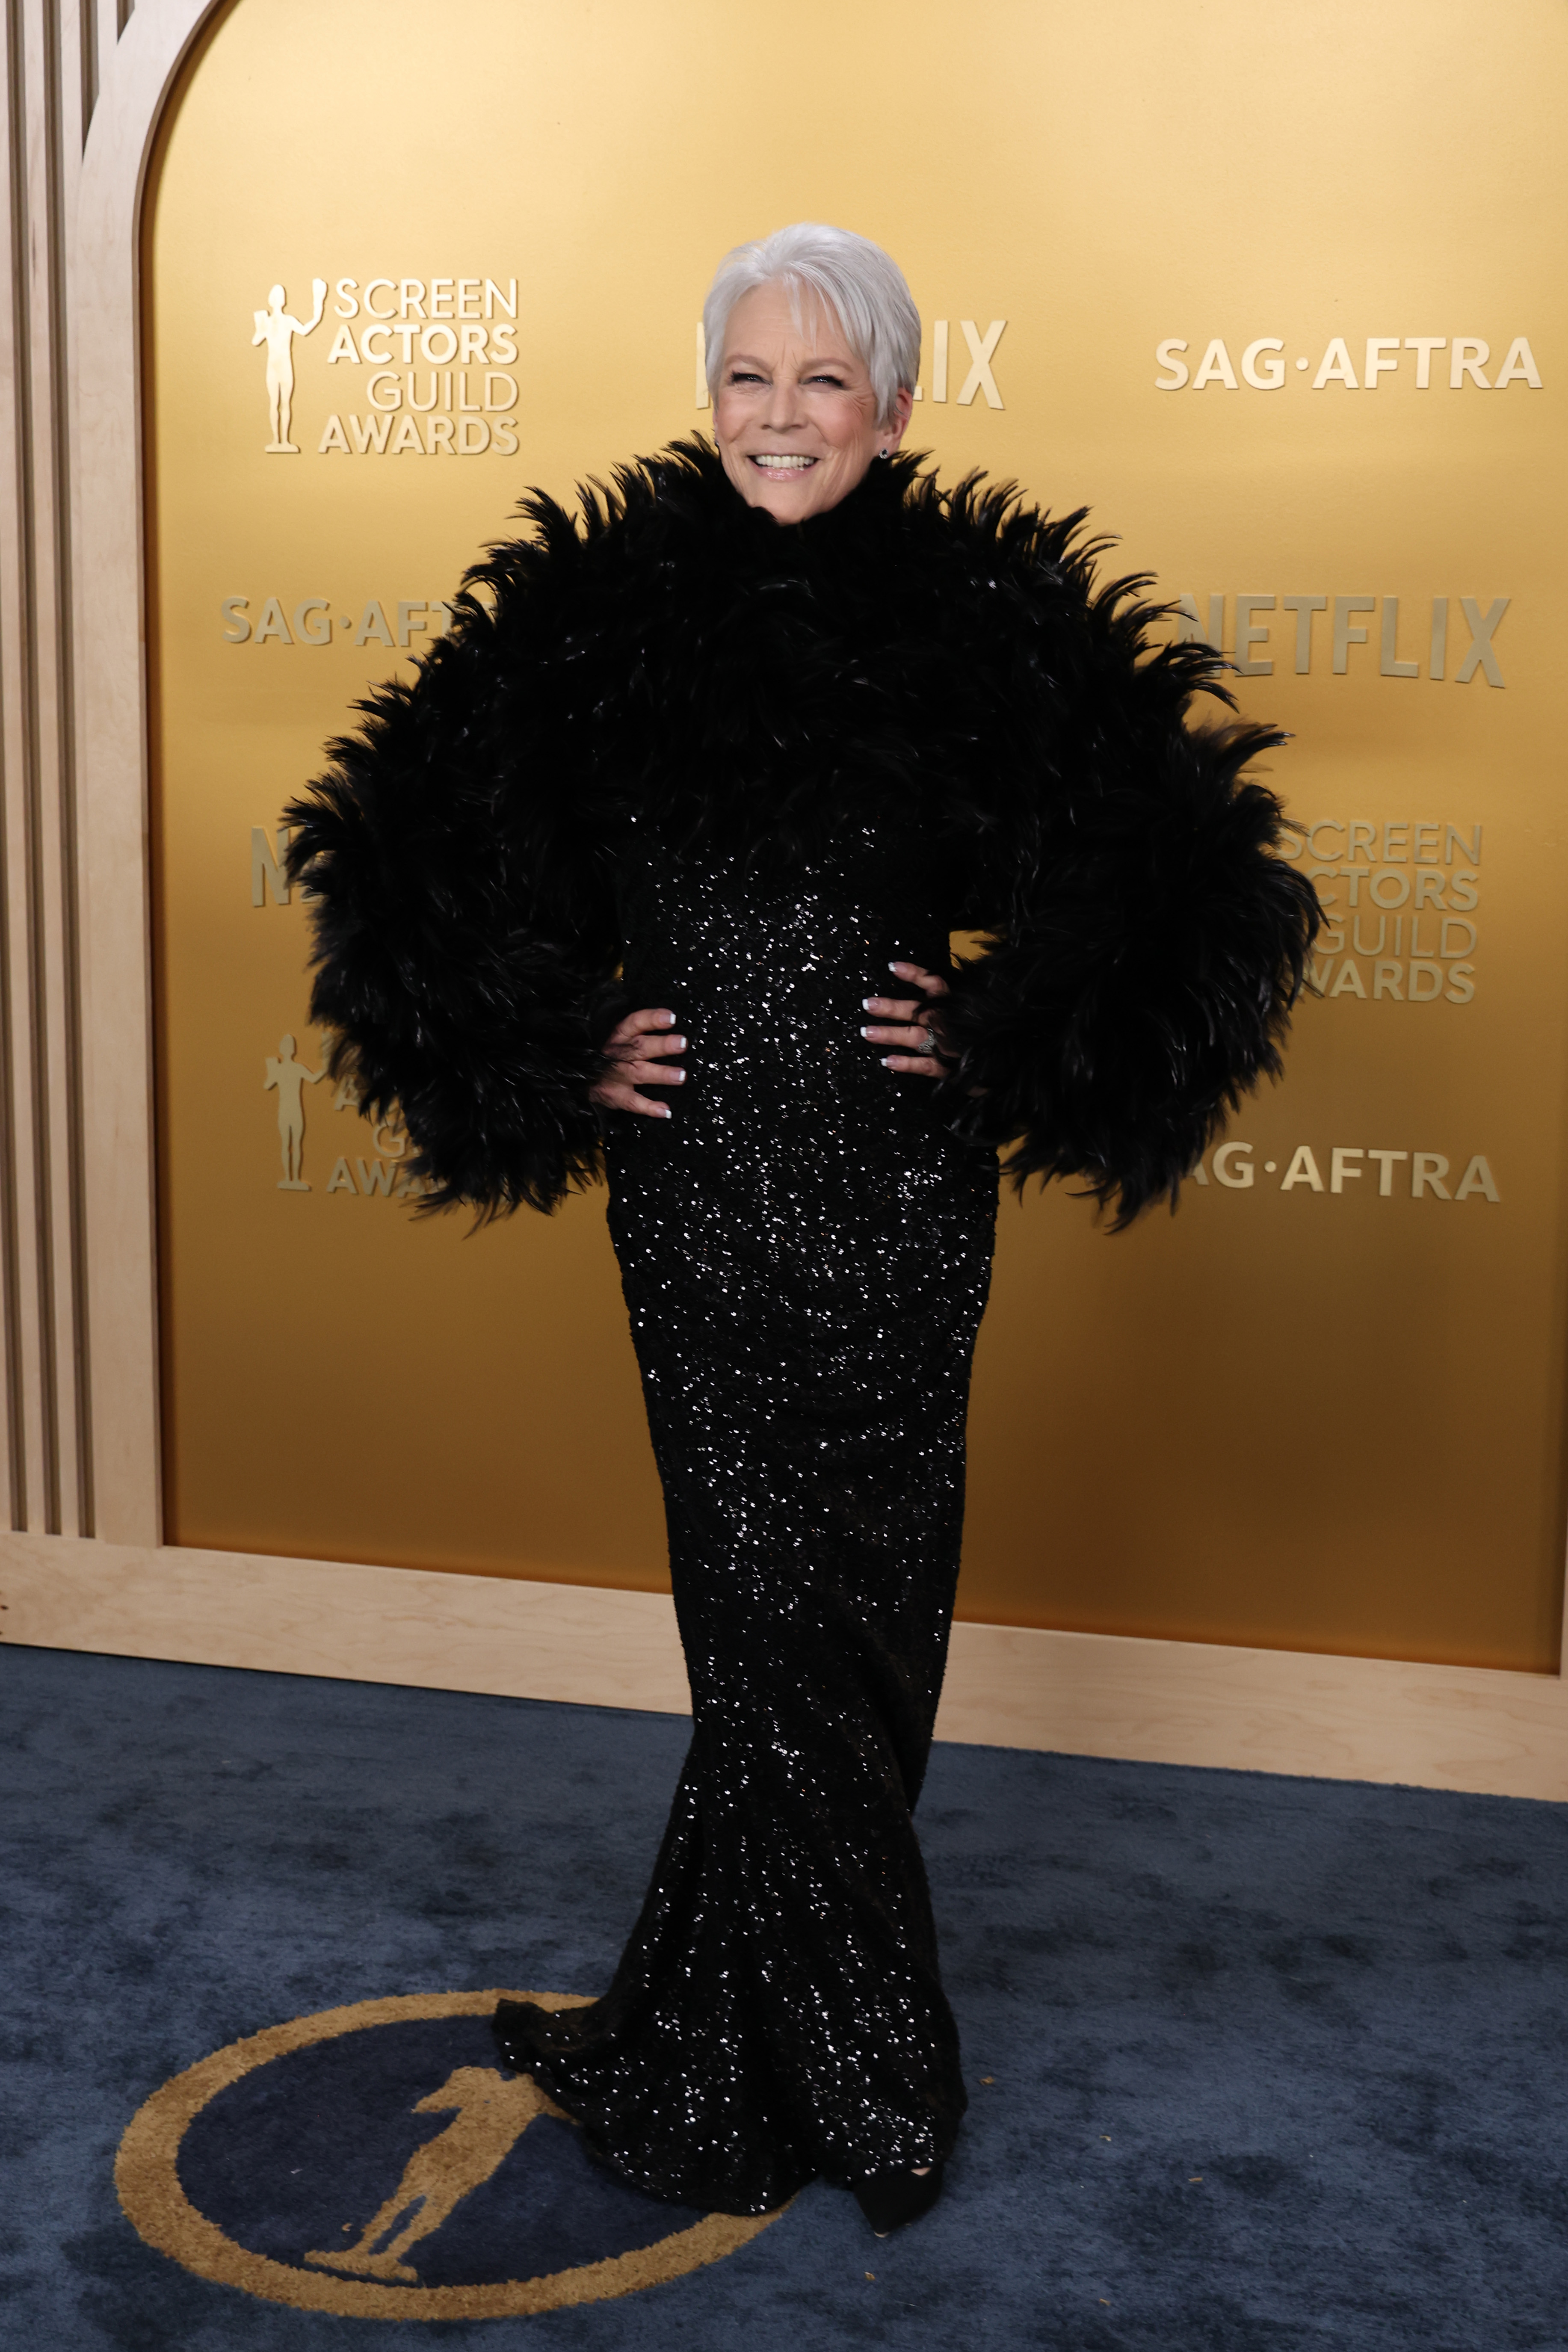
{"x":805,"y":1251}
{"x":917,"y":710}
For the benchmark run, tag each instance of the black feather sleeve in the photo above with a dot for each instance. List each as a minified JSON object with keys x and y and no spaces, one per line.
{"x":464,"y":917}
{"x":1146,"y":941}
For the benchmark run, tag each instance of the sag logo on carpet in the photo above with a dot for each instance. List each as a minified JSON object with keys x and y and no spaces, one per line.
{"x":374,"y":2160}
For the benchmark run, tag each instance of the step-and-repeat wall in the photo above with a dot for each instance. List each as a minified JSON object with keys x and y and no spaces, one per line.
{"x":1280,"y":294}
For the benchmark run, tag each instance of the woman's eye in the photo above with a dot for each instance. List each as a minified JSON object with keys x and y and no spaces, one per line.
{"x":743,"y":375}
{"x":834,"y":382}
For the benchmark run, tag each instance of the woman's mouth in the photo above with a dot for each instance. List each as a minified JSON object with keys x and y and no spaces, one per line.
{"x":766,"y":462}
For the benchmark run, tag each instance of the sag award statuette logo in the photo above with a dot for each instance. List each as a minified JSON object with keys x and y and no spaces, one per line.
{"x":276,"y":330}
{"x":375,"y":2162}
{"x":431,"y":370}
{"x":388,"y":1173}
{"x":290,"y":1078}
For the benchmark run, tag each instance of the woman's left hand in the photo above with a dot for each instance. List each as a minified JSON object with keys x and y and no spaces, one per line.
{"x":918,"y":1041}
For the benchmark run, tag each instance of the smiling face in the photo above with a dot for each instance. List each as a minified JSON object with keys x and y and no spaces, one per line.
{"x":795,"y":414}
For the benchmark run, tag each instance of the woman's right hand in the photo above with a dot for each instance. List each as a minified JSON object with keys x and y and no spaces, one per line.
{"x":640,"y":1051}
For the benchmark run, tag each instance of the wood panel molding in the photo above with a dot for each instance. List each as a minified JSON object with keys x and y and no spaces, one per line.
{"x":85,"y":84}
{"x":119,"y":1173}
{"x":1007,"y":1686}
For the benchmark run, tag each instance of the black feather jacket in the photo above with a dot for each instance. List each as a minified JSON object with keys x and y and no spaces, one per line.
{"x":674,"y":654}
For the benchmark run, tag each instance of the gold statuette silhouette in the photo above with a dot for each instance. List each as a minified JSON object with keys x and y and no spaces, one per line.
{"x":277,"y":327}
{"x":290,"y":1078}
{"x":493,"y":2112}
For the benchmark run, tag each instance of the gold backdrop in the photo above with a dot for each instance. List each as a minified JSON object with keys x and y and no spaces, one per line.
{"x":1279,"y":293}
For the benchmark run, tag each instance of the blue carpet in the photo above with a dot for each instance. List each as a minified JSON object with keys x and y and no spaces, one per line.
{"x":1277,"y":2063}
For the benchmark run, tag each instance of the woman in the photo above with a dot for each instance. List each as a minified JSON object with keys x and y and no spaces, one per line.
{"x":618,"y":881}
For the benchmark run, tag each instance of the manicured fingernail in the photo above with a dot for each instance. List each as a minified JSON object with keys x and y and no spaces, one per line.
{"x":668,"y":1018}
{"x":886,"y":1062}
{"x":869,"y":1004}
{"x":678,"y":1076}
{"x":664,"y":1110}
{"x":679,"y":1044}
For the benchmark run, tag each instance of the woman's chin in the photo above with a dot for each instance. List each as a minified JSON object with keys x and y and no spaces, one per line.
{"x":791,"y":496}
{"x":788,"y":506}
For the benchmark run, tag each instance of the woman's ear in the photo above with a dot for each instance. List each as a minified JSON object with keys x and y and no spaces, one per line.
{"x":893,"y":431}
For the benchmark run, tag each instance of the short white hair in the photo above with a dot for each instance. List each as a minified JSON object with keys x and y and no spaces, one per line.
{"x":861,"y":285}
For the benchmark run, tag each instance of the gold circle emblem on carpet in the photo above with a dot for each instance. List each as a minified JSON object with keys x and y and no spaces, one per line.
{"x":181,"y":2155}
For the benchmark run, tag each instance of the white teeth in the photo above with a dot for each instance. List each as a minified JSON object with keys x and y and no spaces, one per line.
{"x":785,"y":465}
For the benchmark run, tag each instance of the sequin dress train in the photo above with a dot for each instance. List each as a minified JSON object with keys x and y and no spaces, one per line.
{"x":805,"y":1251}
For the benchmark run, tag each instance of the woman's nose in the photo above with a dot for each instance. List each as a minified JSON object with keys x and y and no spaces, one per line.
{"x":781,"y":410}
